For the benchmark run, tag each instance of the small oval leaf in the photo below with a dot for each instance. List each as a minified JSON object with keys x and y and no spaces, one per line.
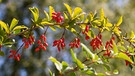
{"x":1,"y":53}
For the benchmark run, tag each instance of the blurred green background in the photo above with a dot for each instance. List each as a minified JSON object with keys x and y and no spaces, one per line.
{"x":37,"y":64}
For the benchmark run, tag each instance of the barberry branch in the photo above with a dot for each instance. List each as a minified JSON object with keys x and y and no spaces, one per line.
{"x":19,"y":48}
{"x":46,"y":30}
{"x":63,"y":33}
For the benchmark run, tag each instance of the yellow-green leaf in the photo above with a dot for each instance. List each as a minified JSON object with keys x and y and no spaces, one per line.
{"x":46,"y":14}
{"x":4,"y":26}
{"x":97,"y":22}
{"x":76,"y":12}
{"x":46,"y":23}
{"x":117,"y":31}
{"x":101,"y":14}
{"x":120,"y":47}
{"x":35,"y":13}
{"x":13,"y":24}
{"x":115,"y":49}
{"x":73,"y":55}
{"x":132,"y":35}
{"x":73,"y":30}
{"x":68,"y":8}
{"x":57,"y":63}
{"x":91,"y":15}
{"x":87,"y":50}
{"x":107,"y":28}
{"x":132,"y":41}
{"x":65,"y":16}
{"x":124,"y":56}
{"x":51,"y":10}
{"x":109,"y":24}
{"x":119,"y":21}
{"x":64,"y":65}
{"x":79,"y":63}
{"x":52,"y":28}
{"x":20,"y":27}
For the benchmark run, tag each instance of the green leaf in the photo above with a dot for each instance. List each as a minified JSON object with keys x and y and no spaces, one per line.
{"x":101,"y":14}
{"x":131,"y":67}
{"x":57,"y":63}
{"x":20,"y":27}
{"x":46,"y":14}
{"x":51,"y":10}
{"x":122,"y":48}
{"x":115,"y":72}
{"x":1,"y":53}
{"x":71,"y":74}
{"x":119,"y":21}
{"x":90,"y":33}
{"x":132,"y":35}
{"x":1,"y":39}
{"x":89,"y":72}
{"x":52,"y":28}
{"x":64,"y":65}
{"x":17,"y":31}
{"x":68,"y":8}
{"x":115,"y":49}
{"x":4,"y":26}
{"x":13,"y":24}
{"x":79,"y":63}
{"x":107,"y":67}
{"x":76,"y":12}
{"x":124,"y":56}
{"x":100,"y":74}
{"x":87,"y":50}
{"x":73,"y":55}
{"x":130,"y":49}
{"x":2,"y":33}
{"x":50,"y":73}
{"x":35,"y":13}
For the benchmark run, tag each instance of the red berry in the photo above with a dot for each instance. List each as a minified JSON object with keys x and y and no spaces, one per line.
{"x":0,"y":46}
{"x":37,"y":49}
{"x":39,"y":42}
{"x":87,"y":37}
{"x":45,"y":44}
{"x":62,"y":45}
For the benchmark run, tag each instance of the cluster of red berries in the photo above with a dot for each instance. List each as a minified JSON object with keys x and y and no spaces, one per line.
{"x":85,"y":32}
{"x":96,"y":42}
{"x":28,"y":41}
{"x":42,"y":44}
{"x":59,"y":43}
{"x":57,"y":17}
{"x":109,"y":44}
{"x":13,"y":54}
{"x":75,"y":43}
